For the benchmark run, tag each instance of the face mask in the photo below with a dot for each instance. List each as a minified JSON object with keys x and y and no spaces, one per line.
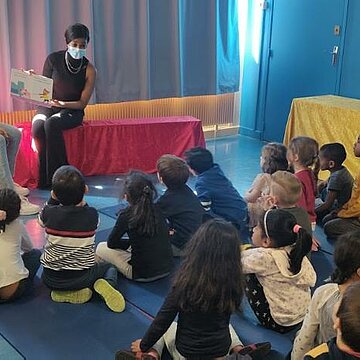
{"x":76,"y":53}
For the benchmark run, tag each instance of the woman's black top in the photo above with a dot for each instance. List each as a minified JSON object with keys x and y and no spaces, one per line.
{"x":67,"y":86}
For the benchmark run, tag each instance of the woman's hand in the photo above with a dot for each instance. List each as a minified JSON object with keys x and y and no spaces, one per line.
{"x":4,"y":133}
{"x":2,"y":215}
{"x":135,"y":346}
{"x":29,"y":72}
{"x":56,"y":103}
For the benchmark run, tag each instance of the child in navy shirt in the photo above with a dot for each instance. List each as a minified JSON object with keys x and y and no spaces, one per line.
{"x":178,"y":204}
{"x":215,"y":191}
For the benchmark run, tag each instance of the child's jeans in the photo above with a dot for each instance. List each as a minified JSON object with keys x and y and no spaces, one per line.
{"x":79,"y":279}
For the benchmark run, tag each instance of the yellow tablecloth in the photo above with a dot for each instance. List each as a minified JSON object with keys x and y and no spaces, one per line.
{"x":327,"y":119}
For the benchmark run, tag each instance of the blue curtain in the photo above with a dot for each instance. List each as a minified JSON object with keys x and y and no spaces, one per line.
{"x":165,"y":48}
{"x":142,"y":49}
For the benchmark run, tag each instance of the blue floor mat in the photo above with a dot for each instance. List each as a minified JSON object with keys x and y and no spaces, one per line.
{"x":113,"y":210}
{"x":325,"y":245}
{"x":8,"y":352}
{"x":250,"y":333}
{"x":42,"y":329}
{"x":323,"y":265}
{"x":148,"y":296}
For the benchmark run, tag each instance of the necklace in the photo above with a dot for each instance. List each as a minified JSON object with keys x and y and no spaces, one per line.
{"x":71,"y":68}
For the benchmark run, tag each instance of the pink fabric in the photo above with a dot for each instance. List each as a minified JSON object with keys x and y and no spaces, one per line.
{"x":115,"y":146}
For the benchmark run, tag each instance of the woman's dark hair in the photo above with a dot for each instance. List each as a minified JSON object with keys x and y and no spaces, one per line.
{"x":274,"y":157}
{"x":346,"y":257}
{"x":68,"y":185}
{"x":210,"y":277}
{"x":140,"y":193}
{"x":77,"y":31}
{"x":10,"y":202}
{"x":349,"y":315}
{"x":280,"y":226}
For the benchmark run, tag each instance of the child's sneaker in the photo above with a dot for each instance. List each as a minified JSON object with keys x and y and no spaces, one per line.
{"x":21,"y":191}
{"x":113,"y":298}
{"x":256,"y":351}
{"x":27,"y":208}
{"x":72,"y":296}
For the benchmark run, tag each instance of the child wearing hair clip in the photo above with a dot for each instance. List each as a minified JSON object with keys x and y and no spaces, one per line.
{"x":145,"y":254}
{"x":279,"y":275}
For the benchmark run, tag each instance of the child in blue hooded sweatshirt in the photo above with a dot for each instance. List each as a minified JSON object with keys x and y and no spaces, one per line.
{"x":215,"y":191}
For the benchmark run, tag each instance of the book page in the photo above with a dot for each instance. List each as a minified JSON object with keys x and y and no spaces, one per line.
{"x":33,"y":88}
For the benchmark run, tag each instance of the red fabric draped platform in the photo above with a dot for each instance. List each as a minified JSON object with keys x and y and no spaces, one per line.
{"x":115,"y":146}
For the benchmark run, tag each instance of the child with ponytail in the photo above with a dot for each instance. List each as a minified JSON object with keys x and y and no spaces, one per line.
{"x":318,"y":327}
{"x":145,"y":254}
{"x":279,"y":273}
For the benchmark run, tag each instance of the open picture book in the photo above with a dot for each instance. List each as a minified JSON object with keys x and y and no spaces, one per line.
{"x":33,"y":88}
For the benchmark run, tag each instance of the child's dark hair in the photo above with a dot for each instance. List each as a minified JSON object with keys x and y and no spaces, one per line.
{"x":173,"y":171}
{"x":349,"y":315}
{"x":210,"y":277}
{"x":140,"y":193}
{"x":10,"y":202}
{"x":274,"y":157}
{"x":306,"y":148}
{"x":335,"y":152}
{"x":77,"y":31}
{"x":346,"y":257}
{"x":199,"y":159}
{"x":281,"y":227}
{"x":68,"y":185}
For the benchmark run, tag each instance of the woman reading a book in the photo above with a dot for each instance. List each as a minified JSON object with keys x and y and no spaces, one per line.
{"x":74,"y":81}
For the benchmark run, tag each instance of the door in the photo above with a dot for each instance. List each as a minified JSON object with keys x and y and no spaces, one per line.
{"x":350,"y":70}
{"x":303,"y":35}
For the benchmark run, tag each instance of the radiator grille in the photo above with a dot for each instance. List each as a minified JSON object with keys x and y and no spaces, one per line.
{"x":211,"y":109}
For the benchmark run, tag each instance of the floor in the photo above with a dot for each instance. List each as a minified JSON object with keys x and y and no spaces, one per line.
{"x":41,"y":329}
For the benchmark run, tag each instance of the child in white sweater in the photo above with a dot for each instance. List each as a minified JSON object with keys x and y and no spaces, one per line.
{"x":317,"y":327}
{"x":279,"y":273}
{"x":19,"y":262}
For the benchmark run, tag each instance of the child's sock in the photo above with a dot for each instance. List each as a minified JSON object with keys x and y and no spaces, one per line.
{"x":72,"y":296}
{"x":113,"y":298}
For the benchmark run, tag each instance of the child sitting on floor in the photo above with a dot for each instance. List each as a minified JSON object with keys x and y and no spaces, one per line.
{"x":206,"y":290}
{"x":279,"y":273}
{"x":302,"y":154}
{"x":16,"y":271}
{"x":179,"y":204}
{"x":70,"y":269}
{"x":145,"y":255}
{"x":346,"y":345}
{"x":348,"y":217}
{"x":336,"y":190}
{"x":215,"y":191}
{"x":318,"y":324}
{"x":285,"y":192}
{"x":272,"y":159}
